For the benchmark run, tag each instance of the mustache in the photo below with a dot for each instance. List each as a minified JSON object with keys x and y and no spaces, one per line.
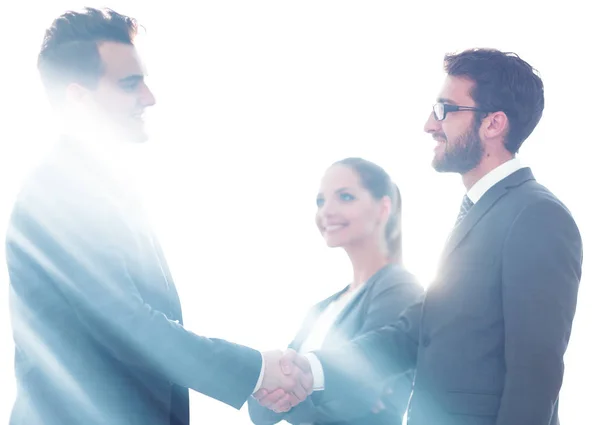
{"x":441,"y":136}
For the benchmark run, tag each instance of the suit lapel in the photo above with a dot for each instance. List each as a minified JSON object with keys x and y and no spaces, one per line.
{"x":479,"y":210}
{"x":357,"y":297}
{"x":172,"y":293}
{"x":161,"y":257}
{"x":312,"y":318}
{"x":347,"y":309}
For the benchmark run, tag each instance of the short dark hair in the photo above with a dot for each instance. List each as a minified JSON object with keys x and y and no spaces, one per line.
{"x":69,"y":52}
{"x":503,"y":82}
{"x":379,"y":184}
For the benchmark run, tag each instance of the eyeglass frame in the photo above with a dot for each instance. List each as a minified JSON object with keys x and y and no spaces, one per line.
{"x":448,"y":107}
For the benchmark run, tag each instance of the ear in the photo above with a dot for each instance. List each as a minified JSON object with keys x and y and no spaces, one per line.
{"x":495,"y":125}
{"x":385,"y":209}
{"x":76,"y":93}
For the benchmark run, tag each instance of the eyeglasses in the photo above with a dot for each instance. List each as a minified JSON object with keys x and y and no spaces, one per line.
{"x":441,"y":109}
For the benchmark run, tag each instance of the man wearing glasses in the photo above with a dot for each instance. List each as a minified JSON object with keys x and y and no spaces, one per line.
{"x":489,"y":337}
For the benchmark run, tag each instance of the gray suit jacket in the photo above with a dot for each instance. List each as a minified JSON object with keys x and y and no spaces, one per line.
{"x":378,"y":303}
{"x":495,"y":324}
{"x":96,"y":317}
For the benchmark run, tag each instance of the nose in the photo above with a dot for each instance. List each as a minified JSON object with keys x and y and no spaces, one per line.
{"x":326,"y":210}
{"x":147,"y":97}
{"x":431,"y":125}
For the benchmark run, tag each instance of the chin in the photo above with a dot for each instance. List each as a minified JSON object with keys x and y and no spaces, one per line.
{"x":437,"y":167}
{"x":140,"y":139}
{"x":334,"y":242}
{"x":441,"y":166}
{"x":330,"y":242}
{"x":135,"y":131}
{"x":137,"y":136}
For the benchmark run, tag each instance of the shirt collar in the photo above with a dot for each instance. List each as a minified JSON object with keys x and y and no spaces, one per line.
{"x":490,"y":179}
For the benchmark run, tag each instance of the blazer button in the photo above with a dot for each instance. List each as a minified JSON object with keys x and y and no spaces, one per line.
{"x":425,"y":341}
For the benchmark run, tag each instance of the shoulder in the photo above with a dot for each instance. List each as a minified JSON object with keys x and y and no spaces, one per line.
{"x":533,"y":196}
{"x":542,"y":231}
{"x":319,"y":306}
{"x":395,"y":279}
{"x":529,"y":207}
{"x":64,"y":204}
{"x":395,"y":275}
{"x":538,"y":208}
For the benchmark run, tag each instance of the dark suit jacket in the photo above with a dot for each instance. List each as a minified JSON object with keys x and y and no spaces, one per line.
{"x":96,"y":318}
{"x":379,"y":302}
{"x":494,"y":325}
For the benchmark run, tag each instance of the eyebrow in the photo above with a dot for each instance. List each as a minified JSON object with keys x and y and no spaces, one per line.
{"x":131,"y":79}
{"x":340,"y":190}
{"x":445,"y":100}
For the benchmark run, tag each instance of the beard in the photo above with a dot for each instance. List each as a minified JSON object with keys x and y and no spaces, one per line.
{"x":463,"y":154}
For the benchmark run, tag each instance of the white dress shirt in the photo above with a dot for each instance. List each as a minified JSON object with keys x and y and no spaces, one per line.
{"x":315,"y":339}
{"x":320,"y":329}
{"x":323,"y":324}
{"x":490,"y":179}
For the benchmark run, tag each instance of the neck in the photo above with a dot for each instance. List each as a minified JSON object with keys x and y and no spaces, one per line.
{"x":366,"y":260}
{"x":89,"y":129}
{"x":487,"y":164}
{"x":103,"y":148}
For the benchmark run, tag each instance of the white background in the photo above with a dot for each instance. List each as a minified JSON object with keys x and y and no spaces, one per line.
{"x":257,"y":98}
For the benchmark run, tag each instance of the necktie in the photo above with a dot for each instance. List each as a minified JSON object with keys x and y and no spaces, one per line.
{"x":464,"y":209}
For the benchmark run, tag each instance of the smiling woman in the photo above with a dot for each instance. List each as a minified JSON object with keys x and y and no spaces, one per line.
{"x":358,"y":210}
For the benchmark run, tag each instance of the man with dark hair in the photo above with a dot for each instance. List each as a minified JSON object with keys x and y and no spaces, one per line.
{"x":96,"y":317}
{"x":489,"y":337}
{"x":91,"y":71}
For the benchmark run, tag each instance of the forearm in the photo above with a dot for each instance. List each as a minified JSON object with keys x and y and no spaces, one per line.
{"x":355,"y":372}
{"x":219,"y":369}
{"x":104,"y":300}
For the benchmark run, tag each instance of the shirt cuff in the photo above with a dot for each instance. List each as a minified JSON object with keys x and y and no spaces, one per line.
{"x":262,"y":374}
{"x":317,"y":372}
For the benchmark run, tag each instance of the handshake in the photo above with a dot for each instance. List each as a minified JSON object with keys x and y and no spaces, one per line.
{"x":287,"y":380}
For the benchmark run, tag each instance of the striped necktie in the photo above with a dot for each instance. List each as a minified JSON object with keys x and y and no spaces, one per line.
{"x":464,"y":209}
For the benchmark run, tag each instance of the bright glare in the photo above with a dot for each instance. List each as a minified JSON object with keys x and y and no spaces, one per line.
{"x":257,"y":98}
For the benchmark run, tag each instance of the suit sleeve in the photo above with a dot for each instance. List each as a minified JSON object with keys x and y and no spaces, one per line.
{"x":542,"y":259}
{"x":92,"y":277}
{"x":352,"y":371}
{"x":388,"y":301}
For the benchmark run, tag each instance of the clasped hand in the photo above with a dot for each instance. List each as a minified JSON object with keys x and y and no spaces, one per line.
{"x":287,"y":380}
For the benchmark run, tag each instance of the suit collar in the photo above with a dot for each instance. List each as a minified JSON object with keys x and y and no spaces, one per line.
{"x":321,"y":306}
{"x":486,"y":202}
{"x":494,"y":176}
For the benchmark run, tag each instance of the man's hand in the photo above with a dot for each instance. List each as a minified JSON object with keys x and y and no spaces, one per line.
{"x":287,"y":381}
